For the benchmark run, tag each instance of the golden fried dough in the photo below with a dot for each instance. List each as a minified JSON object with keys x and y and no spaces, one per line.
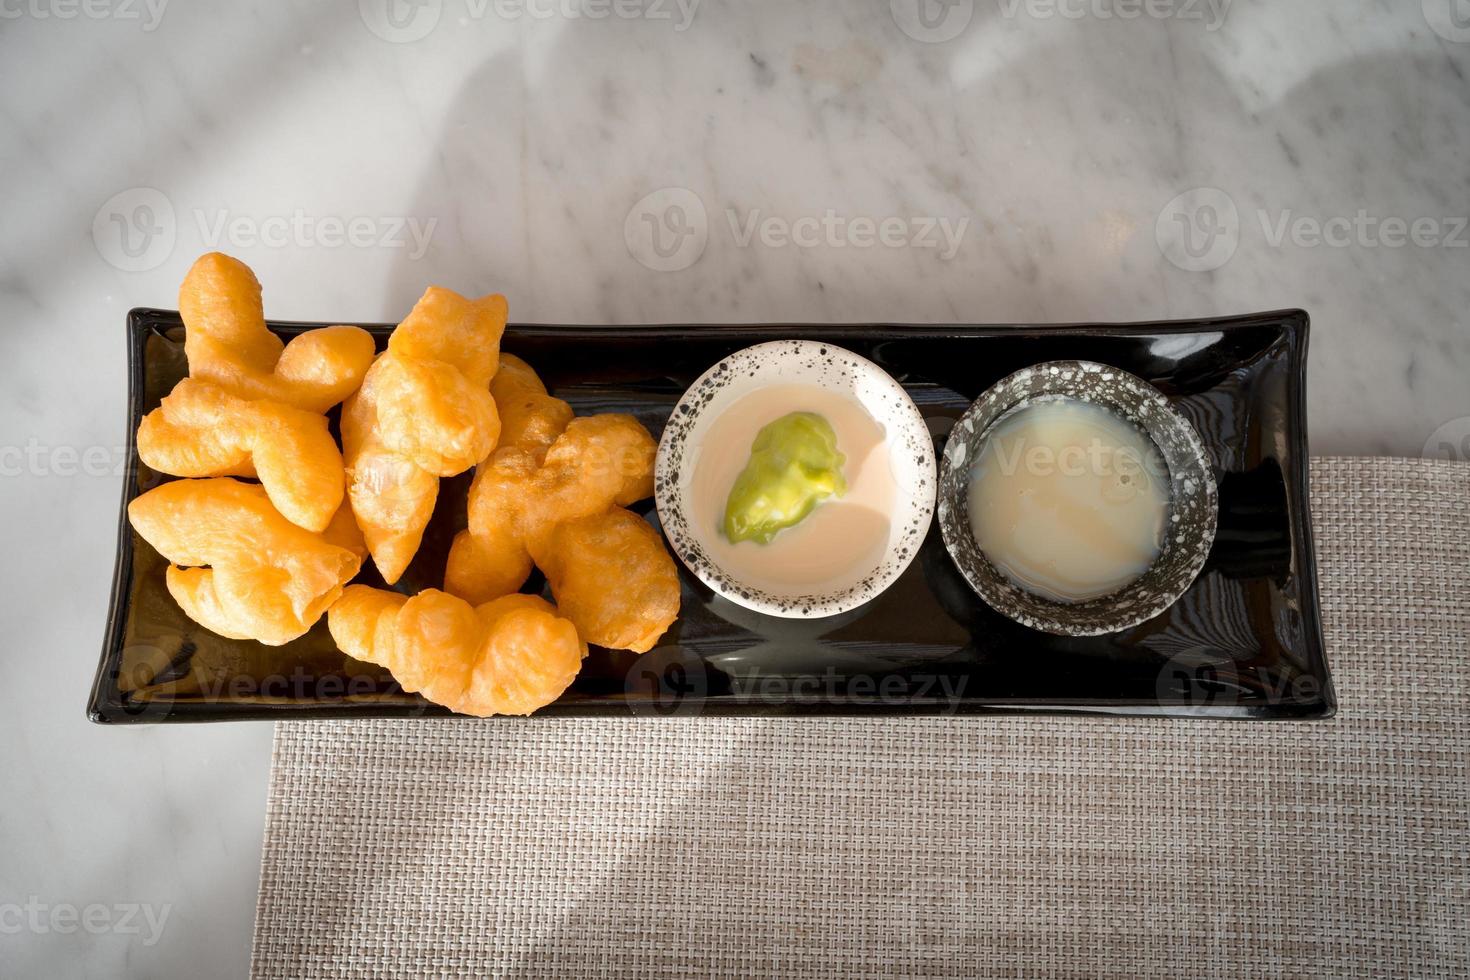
{"x":509,"y":657}
{"x":424,"y":412}
{"x":267,"y":580}
{"x":364,"y":622}
{"x":391,"y":498}
{"x":344,"y":532}
{"x":595,"y":463}
{"x":530,"y":419}
{"x":227,"y":342}
{"x":430,"y":413}
{"x":201,"y":430}
{"x":444,"y":326}
{"x":612,"y":577}
{"x":490,"y":559}
{"x":599,"y":461}
{"x":193,"y":589}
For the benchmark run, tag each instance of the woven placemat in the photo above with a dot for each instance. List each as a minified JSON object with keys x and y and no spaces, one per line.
{"x":1016,"y":847}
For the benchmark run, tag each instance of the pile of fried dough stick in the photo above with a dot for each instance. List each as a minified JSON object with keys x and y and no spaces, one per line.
{"x":273,"y":519}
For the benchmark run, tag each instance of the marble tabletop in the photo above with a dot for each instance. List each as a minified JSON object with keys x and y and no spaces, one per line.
{"x":622,"y":161}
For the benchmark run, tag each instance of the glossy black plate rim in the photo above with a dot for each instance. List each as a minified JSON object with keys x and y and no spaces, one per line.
{"x":107,"y":706}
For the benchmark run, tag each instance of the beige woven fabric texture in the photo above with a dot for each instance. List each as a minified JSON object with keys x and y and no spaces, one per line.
{"x":1010,"y":847}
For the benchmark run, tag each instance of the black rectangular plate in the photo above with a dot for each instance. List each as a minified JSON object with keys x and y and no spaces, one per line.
{"x":1243,"y":642}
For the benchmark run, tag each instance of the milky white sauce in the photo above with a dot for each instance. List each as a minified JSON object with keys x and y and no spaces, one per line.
{"x":1068,"y":499}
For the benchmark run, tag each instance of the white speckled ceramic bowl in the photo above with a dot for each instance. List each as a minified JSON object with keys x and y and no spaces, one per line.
{"x":910,"y":453}
{"x":1193,"y":504}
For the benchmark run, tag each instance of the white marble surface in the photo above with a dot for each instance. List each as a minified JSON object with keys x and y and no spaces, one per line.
{"x":1048,"y":138}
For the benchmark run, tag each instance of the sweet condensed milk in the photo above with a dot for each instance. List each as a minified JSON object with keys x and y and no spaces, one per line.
{"x":1069,"y":500}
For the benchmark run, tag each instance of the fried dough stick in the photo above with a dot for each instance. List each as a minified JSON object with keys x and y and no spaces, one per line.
{"x":424,"y":412}
{"x":227,"y":342}
{"x":201,"y":430}
{"x":505,"y":657}
{"x":553,"y":472}
{"x":266,"y":578}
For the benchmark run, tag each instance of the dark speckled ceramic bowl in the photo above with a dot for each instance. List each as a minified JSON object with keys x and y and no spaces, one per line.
{"x":1193,"y":504}
{"x":908,"y":444}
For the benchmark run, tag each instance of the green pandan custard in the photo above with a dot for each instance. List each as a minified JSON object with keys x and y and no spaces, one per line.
{"x":794,"y":465}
